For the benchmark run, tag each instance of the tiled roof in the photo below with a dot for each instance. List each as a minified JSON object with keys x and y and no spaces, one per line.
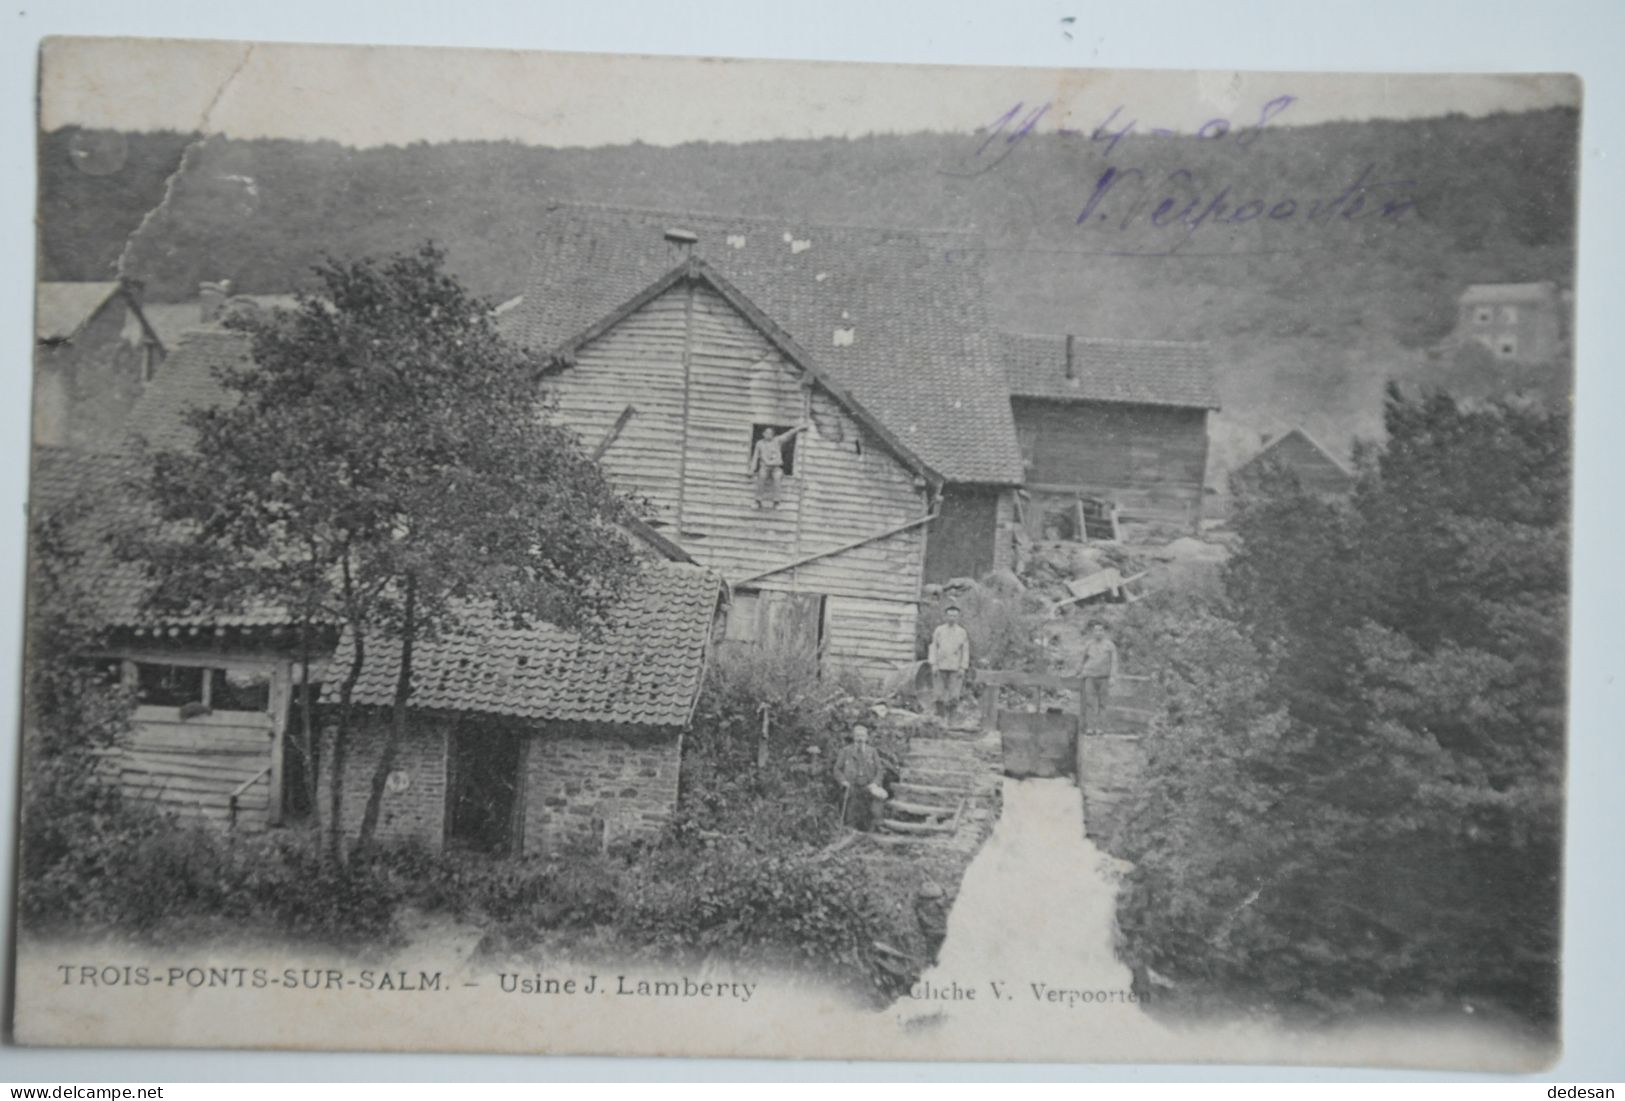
{"x":1508,"y":292}
{"x":644,"y":669}
{"x":184,"y":381}
{"x":1142,"y":372}
{"x":173,"y":320}
{"x":918,"y":359}
{"x":61,"y":309}
{"x":94,"y":496}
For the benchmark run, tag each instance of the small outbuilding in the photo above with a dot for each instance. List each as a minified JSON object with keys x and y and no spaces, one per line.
{"x":1315,"y":467}
{"x":534,"y":738}
{"x":1117,"y":421}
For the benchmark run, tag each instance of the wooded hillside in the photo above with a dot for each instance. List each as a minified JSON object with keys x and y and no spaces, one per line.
{"x":1308,"y":314}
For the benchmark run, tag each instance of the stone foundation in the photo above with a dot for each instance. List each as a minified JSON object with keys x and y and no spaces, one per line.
{"x":599,"y":790}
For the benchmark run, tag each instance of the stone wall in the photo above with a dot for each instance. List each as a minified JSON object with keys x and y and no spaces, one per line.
{"x":415,"y":814}
{"x":583,"y":787}
{"x":1113,"y":767}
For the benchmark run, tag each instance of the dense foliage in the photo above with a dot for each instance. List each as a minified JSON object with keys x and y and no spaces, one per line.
{"x":1355,"y":797}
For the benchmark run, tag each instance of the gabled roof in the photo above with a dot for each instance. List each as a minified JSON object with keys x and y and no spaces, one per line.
{"x":911,"y":302}
{"x":1297,"y":439}
{"x":61,"y":309}
{"x":1508,"y":292}
{"x":1142,"y":372}
{"x":645,"y":669}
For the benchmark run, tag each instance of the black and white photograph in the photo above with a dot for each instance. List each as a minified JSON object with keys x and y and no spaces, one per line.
{"x":602,"y":554}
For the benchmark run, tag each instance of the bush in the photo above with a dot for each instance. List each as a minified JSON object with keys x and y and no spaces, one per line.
{"x":801,"y":699}
{"x":760,"y":908}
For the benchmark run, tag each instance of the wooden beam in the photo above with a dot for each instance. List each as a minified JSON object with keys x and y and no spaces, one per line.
{"x":614,"y":432}
{"x":842,"y":549}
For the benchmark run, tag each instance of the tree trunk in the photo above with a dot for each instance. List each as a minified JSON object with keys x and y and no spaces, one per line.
{"x":341,"y":746}
{"x":397,"y":726}
{"x":307,"y":727}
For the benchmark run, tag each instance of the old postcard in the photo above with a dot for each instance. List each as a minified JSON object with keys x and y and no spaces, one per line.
{"x":593,"y":554}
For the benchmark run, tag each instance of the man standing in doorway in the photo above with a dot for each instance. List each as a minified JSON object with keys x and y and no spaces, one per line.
{"x":858,"y":773}
{"x":949,"y":658}
{"x":767,"y":464}
{"x":1099,"y":670}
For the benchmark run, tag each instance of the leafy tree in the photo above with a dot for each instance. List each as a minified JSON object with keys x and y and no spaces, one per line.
{"x":71,"y":709}
{"x":1355,"y":798}
{"x":383,"y":464}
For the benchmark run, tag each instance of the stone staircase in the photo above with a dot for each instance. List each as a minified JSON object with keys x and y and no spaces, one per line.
{"x":938,"y":788}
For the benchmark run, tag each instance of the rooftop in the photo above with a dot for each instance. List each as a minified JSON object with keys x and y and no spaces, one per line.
{"x":645,"y":668}
{"x":1142,"y":372}
{"x":895,"y":317}
{"x":61,"y":309}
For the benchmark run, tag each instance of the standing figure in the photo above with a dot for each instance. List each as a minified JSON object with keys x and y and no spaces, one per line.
{"x":767,"y":464}
{"x":949,"y":658}
{"x":857,"y":770}
{"x":1099,"y":670}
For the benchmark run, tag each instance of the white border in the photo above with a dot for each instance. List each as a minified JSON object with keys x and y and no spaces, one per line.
{"x":1369,"y":35}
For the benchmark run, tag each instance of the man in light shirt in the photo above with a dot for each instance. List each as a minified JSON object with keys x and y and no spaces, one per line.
{"x":1099,"y":670}
{"x":949,"y":658}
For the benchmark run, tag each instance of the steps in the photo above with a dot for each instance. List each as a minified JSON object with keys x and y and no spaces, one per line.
{"x":938,"y":783}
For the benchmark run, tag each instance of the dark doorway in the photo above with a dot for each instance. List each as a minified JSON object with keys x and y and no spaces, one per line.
{"x":486,"y":774}
{"x":300,"y":761}
{"x":961,"y":540}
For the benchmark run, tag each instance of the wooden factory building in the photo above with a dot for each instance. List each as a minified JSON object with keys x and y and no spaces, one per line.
{"x":1121,"y":421}
{"x":674,"y":340}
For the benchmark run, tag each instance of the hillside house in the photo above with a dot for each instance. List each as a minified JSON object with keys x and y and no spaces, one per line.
{"x":1121,"y":421}
{"x":1514,"y":321}
{"x":672,"y":341}
{"x":567,"y":737}
{"x":94,"y":349}
{"x":1315,"y":467}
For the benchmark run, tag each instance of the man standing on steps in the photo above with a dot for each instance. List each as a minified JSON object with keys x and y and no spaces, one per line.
{"x":767,"y":464}
{"x":1099,"y":670}
{"x":949,"y":658}
{"x":857,"y":770}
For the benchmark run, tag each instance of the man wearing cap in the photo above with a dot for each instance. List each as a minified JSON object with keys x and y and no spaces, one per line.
{"x":949,"y":658}
{"x":857,"y":770}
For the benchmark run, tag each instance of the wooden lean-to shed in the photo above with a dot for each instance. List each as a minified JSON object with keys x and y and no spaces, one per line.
{"x":213,"y":693}
{"x":1120,"y":421}
{"x":672,"y":341}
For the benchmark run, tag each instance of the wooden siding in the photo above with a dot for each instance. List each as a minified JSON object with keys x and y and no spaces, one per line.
{"x":191,"y":767}
{"x":1150,"y":459}
{"x":701,"y":377}
{"x":873,"y":637}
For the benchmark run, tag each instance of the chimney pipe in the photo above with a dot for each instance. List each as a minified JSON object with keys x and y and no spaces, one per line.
{"x":1071,"y":362}
{"x":683,"y":239}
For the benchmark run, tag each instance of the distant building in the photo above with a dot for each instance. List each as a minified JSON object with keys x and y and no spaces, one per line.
{"x":1317,"y":469}
{"x":94,"y":349}
{"x":1514,"y":321}
{"x":1119,"y":420}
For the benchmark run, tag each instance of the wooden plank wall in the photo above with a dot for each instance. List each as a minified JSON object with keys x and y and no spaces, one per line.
{"x":693,"y":459}
{"x":191,"y":766}
{"x":1150,"y":459}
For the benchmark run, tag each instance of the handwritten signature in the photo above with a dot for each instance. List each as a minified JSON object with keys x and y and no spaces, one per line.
{"x":1123,"y":201}
{"x":1010,"y":129}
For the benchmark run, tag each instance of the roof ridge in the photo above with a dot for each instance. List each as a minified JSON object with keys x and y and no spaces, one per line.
{"x":1138,"y":340}
{"x":760,"y":219}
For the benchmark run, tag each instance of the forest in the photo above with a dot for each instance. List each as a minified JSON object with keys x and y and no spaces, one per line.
{"x":1308,"y":317}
